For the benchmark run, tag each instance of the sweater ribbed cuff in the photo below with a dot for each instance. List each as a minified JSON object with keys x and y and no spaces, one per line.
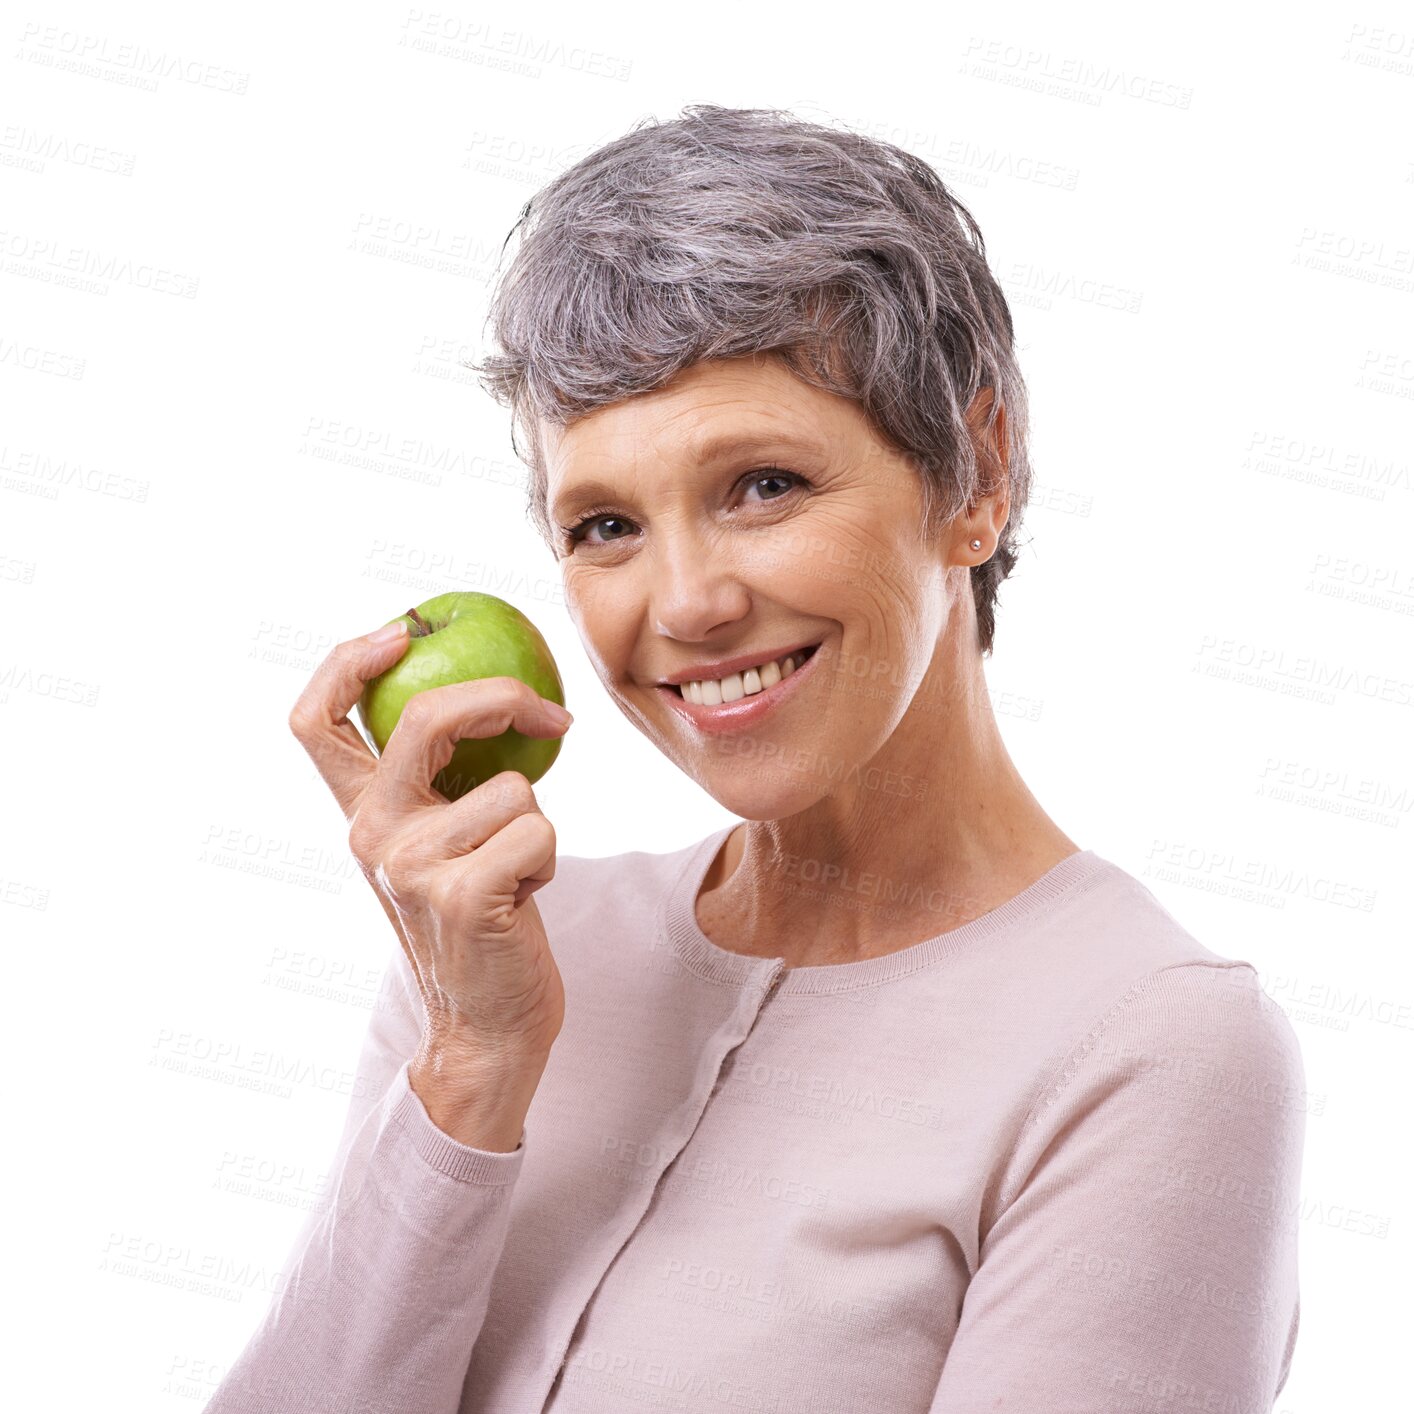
{"x":445,"y":1154}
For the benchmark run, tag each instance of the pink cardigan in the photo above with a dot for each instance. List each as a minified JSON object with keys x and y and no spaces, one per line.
{"x":1046,"y":1162}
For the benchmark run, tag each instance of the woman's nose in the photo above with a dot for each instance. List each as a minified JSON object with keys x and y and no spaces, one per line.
{"x":694,"y":590}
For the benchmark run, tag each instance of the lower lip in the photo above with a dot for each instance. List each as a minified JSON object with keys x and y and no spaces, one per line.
{"x":745,"y":711}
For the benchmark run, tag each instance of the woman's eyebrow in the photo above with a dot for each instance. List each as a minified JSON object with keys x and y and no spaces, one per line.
{"x":581,"y":494}
{"x":712,"y":449}
{"x":730,"y":444}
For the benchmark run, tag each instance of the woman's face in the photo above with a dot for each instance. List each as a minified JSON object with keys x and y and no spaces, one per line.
{"x":739,"y":513}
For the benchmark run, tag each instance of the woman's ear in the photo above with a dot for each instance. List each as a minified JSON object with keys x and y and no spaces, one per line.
{"x":991,"y":445}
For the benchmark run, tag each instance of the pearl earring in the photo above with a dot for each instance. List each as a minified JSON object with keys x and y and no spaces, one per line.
{"x":976,"y":544}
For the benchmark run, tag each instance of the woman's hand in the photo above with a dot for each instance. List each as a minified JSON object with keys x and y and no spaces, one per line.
{"x":455,"y":878}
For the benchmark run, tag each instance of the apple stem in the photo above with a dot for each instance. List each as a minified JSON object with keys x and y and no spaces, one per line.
{"x":422,"y":627}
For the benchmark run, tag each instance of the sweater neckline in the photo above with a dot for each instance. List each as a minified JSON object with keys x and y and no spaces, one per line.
{"x":701,"y":956}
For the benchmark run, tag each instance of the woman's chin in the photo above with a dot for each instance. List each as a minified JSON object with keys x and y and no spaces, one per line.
{"x":757,"y":792}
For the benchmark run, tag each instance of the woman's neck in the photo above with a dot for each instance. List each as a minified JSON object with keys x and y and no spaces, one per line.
{"x":865,"y":872}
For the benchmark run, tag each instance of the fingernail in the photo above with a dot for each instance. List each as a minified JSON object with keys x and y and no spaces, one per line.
{"x":388,"y":632}
{"x":559,"y":713}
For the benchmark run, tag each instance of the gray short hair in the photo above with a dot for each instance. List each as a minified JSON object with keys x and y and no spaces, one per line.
{"x":737,"y":231}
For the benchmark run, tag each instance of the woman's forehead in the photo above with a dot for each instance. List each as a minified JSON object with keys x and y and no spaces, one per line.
{"x":712,"y":412}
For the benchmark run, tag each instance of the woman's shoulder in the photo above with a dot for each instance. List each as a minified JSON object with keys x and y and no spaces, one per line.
{"x":1149,"y":983}
{"x":1122,"y":915}
{"x":1195,"y":1049}
{"x":1111,"y":956}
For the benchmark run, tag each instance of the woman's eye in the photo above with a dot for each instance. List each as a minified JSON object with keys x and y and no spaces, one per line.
{"x":785,"y":477}
{"x":575,"y":534}
{"x":586,"y":525}
{"x":578,"y":534}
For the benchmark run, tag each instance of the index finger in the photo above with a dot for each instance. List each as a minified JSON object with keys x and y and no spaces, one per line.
{"x":436,"y":719}
{"x":320,"y":717}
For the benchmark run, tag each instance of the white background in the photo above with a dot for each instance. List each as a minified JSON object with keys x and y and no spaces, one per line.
{"x":1203,"y":663}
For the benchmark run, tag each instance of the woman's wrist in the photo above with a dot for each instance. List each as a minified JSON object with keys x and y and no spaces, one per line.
{"x":479,"y":1099}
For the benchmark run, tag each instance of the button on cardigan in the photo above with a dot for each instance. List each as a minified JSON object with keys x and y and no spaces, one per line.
{"x":1047,"y":1161}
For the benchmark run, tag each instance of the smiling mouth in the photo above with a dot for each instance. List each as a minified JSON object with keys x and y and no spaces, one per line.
{"x":736,"y":687}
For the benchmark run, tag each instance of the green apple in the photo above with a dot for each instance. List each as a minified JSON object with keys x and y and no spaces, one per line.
{"x":458,"y":637}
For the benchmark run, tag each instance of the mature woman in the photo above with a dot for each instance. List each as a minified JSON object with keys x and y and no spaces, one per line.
{"x":890,"y":1097}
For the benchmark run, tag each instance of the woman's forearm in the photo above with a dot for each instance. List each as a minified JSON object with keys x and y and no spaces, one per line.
{"x":382,"y":1302}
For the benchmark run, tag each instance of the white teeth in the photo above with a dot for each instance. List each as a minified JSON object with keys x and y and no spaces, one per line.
{"x":712,"y":692}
